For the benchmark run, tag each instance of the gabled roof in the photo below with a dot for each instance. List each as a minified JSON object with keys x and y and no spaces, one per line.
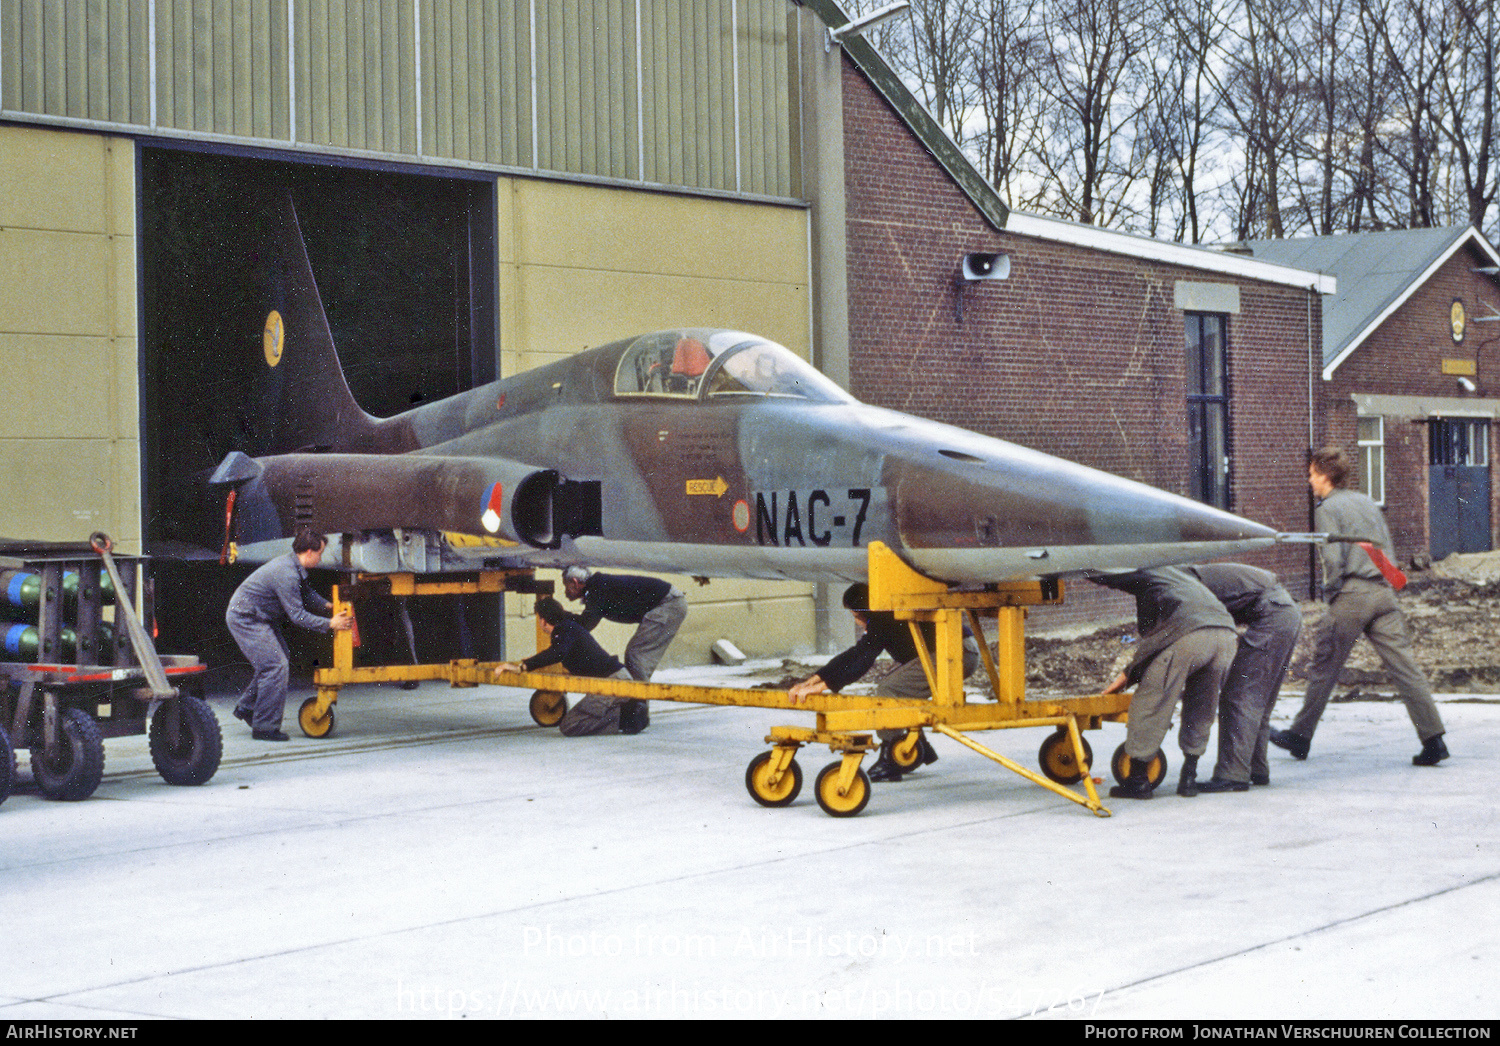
{"x":984,"y":197}
{"x":1377,"y":272}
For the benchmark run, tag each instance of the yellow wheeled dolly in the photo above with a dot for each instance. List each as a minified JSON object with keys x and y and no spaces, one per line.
{"x":316,"y":716}
{"x":847,"y":723}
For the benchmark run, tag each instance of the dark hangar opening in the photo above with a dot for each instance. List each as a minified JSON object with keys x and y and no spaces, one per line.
{"x":405,"y":267}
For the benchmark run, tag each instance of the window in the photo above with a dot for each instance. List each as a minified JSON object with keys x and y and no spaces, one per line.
{"x":1208,"y":407}
{"x":1371,"y":439}
{"x":1458,"y":441}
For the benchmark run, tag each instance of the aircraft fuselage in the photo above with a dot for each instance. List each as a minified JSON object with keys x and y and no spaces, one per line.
{"x":715,"y":452}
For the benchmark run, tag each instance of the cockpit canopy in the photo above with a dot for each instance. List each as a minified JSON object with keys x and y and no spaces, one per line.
{"x":699,"y":363}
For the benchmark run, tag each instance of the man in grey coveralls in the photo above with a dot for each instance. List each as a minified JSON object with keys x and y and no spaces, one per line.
{"x":1187,"y":643}
{"x":1256,"y":600}
{"x":277,"y":591}
{"x":1360,"y":602}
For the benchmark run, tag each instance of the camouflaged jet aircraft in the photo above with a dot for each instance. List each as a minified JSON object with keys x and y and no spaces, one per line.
{"x":693,"y":451}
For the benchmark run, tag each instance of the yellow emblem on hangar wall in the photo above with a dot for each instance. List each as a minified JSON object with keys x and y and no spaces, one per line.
{"x":273,"y":338}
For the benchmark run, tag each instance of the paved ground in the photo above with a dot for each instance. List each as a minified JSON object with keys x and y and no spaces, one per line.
{"x":443,"y":857}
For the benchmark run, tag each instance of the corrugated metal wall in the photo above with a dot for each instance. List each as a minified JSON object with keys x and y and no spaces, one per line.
{"x":692,"y":93}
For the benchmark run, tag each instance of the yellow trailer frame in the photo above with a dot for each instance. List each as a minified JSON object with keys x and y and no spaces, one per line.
{"x":316,"y":717}
{"x":845,"y":723}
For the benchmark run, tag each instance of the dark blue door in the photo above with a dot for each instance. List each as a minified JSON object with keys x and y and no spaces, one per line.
{"x":1458,"y":484}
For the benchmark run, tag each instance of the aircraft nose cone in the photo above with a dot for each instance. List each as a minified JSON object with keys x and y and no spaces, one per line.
{"x":1019,"y":512}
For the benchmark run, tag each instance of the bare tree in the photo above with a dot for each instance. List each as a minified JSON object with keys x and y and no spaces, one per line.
{"x":933,"y":50}
{"x":1317,"y":115}
{"x":1010,"y":59}
{"x":1416,"y":35}
{"x":1264,"y":96}
{"x":1096,"y":90}
{"x":1367,"y":102}
{"x":1183,"y":98}
{"x":1468,"y":97}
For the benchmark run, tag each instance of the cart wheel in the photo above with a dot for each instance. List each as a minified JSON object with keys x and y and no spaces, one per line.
{"x":79,"y":764}
{"x":548,"y":707}
{"x":757,"y":775}
{"x":7,"y":765}
{"x":1058,"y":761}
{"x":1156,"y":770}
{"x":826,"y":790}
{"x":905,"y":752}
{"x":312,"y":726}
{"x":200,"y":743}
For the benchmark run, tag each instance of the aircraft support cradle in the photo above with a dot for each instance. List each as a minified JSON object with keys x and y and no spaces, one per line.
{"x":846,"y":723}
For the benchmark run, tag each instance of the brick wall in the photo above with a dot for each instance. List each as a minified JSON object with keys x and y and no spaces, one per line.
{"x":1079,"y":354}
{"x":1404,"y":358}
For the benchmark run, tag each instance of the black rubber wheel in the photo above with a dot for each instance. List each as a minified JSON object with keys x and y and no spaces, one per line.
{"x":1058,"y":760}
{"x":786,"y":789}
{"x":7,"y":765}
{"x":835,"y":805}
{"x":548,"y":707}
{"x":1156,"y":770}
{"x":199,"y":747}
{"x":891,"y":752}
{"x":75,"y":771}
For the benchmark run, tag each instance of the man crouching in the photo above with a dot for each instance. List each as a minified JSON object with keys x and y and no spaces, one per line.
{"x":581,"y":655}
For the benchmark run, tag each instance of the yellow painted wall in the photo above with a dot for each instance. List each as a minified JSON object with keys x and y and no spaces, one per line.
{"x":69,"y":435}
{"x":581,"y":266}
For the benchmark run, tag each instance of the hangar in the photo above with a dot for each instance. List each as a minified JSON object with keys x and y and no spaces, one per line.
{"x":486,"y":188}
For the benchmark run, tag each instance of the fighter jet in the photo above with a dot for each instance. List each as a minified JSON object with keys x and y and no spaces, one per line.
{"x":693,"y":451}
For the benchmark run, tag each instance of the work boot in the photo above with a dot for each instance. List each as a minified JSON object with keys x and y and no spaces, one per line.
{"x":884,"y":769}
{"x":1433,"y":752}
{"x":1224,"y":784}
{"x":1296,"y":744}
{"x":928,"y":754}
{"x":1187,"y":783}
{"x":1137,"y":784}
{"x":245,"y":715}
{"x":1260,"y":777}
{"x":635,"y":716}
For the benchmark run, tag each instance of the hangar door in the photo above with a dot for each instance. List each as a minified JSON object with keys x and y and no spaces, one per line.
{"x":1458,"y":485}
{"x":404,"y":265}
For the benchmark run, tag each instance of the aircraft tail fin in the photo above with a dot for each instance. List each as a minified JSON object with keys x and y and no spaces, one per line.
{"x":302,"y":401}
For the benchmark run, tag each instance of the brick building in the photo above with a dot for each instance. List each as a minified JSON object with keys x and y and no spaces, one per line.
{"x":1189,"y":369}
{"x":1409,"y":376}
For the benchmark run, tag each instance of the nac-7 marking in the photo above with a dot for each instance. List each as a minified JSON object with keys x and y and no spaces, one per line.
{"x":787,"y":517}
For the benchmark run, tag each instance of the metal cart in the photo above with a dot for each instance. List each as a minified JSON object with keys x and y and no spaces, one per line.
{"x":79,"y":666}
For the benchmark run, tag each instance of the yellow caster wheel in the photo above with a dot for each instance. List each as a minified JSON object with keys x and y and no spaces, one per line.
{"x":1156,"y":770}
{"x":307,"y":719}
{"x":847,"y":805}
{"x":548,"y":707}
{"x":1059,"y":763}
{"x":904,"y":752}
{"x":758,"y":782}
